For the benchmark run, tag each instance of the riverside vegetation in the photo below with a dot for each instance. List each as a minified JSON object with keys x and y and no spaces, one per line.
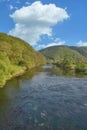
{"x":67,"y":58}
{"x":16,"y":56}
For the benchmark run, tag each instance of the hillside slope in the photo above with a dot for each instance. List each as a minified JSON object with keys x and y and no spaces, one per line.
{"x":15,"y":57}
{"x":81,"y":50}
{"x":57,"y":53}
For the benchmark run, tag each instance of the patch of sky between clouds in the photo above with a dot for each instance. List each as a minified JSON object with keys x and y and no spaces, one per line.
{"x":52,"y":41}
{"x":41,"y":46}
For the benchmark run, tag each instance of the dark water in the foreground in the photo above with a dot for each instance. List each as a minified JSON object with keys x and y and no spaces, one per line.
{"x":44,"y":101}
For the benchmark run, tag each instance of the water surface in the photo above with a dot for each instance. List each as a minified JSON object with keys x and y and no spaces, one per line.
{"x":44,"y":100}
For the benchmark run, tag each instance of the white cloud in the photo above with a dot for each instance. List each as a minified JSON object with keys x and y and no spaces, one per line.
{"x":35,"y":20}
{"x":57,"y":39}
{"x":27,"y":3}
{"x":81,"y":43}
{"x":11,"y":7}
{"x":56,"y":42}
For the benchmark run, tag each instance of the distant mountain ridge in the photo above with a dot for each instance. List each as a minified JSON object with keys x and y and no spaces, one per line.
{"x":57,"y":53}
{"x":82,"y":50}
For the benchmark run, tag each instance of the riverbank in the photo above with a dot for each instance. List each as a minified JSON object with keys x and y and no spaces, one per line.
{"x":19,"y":71}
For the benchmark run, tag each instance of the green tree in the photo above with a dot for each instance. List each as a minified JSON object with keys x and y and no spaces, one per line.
{"x":67,"y":62}
{"x":81,"y":65}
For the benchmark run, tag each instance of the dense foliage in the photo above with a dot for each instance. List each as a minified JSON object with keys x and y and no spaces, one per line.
{"x":70,"y":58}
{"x":15,"y":57}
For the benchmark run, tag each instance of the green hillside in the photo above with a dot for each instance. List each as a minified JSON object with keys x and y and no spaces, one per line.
{"x":81,"y":50}
{"x":67,"y":57}
{"x":57,"y":53}
{"x":16,"y":56}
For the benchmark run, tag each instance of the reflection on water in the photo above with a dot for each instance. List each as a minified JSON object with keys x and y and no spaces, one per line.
{"x":4,"y":99}
{"x":44,"y":99}
{"x":70,"y":73}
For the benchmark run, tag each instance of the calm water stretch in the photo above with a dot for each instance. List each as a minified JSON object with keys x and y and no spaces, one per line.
{"x":44,"y":99}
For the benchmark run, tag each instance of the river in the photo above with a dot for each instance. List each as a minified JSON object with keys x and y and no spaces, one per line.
{"x":44,"y":100}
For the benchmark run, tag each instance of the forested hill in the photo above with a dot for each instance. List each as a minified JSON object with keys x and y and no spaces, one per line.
{"x":81,"y":50}
{"x":58,"y":53}
{"x":15,"y":57}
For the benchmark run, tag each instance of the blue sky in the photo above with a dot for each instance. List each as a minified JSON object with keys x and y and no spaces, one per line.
{"x":45,"y":23}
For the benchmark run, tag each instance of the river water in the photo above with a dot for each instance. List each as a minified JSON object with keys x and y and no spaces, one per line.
{"x":43,"y":100}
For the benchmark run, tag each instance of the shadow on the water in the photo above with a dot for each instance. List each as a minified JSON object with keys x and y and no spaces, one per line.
{"x":27,"y":76}
{"x":4,"y":98}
